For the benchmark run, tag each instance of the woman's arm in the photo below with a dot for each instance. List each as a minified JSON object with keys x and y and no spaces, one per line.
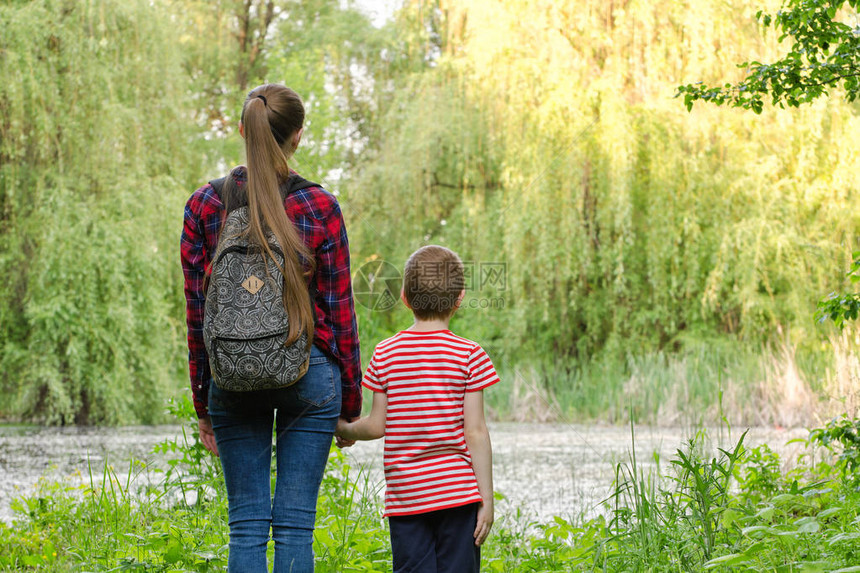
{"x":371,"y":427}
{"x":194,"y":260}
{"x":478,"y":442}
{"x":335,"y":284}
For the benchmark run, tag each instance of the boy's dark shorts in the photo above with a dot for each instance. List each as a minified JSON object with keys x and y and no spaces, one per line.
{"x":436,"y":542}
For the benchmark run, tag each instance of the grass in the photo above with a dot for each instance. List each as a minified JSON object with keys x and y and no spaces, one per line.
{"x":736,"y":509}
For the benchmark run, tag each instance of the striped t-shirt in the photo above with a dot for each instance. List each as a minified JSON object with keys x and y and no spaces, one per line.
{"x":425,"y":376}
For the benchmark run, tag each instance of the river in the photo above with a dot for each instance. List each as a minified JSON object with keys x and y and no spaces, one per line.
{"x":543,"y":470}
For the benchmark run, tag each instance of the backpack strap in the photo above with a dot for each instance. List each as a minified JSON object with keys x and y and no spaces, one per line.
{"x":218,"y":185}
{"x":295,"y":183}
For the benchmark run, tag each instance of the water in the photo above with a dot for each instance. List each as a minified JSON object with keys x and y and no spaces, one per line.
{"x":28,"y":453}
{"x":542,"y":469}
{"x":547,"y":470}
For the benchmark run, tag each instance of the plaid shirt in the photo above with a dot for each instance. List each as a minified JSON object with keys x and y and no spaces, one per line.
{"x":317,"y":217}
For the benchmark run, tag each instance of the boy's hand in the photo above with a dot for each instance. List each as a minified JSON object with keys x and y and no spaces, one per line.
{"x":371,"y":427}
{"x":485,"y":523}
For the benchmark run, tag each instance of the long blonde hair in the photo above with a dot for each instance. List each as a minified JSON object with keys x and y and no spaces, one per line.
{"x":271,"y":116}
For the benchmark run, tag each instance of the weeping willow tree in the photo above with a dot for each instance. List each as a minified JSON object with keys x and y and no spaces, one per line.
{"x":111,"y":114}
{"x":540,"y":136}
{"x":544,"y":135}
{"x":328,"y":52}
{"x":96,"y":156}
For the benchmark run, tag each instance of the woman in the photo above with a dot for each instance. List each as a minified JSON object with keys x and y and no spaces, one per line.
{"x":237,"y":426}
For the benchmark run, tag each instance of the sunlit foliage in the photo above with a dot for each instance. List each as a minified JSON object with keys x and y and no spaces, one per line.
{"x":539,"y":137}
{"x":823,"y":57}
{"x":93,"y":149}
{"x":544,"y":135}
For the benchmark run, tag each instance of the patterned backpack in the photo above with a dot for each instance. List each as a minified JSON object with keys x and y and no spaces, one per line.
{"x":245,"y":325}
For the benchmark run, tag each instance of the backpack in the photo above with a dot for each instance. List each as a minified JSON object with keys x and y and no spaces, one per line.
{"x":245,"y":325}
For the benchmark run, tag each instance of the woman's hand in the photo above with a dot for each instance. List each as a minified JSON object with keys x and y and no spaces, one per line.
{"x":207,"y":436}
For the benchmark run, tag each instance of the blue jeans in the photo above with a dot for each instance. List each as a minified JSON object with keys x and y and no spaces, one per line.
{"x":304,"y":416}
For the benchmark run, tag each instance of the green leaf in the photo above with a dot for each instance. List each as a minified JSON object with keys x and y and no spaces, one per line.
{"x":727,"y":560}
{"x":843,"y":537}
{"x":813,"y":566}
{"x":763,"y":529}
{"x":829,"y":511}
{"x":175,"y":552}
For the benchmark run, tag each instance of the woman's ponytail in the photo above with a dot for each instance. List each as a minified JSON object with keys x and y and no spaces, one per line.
{"x":271,"y":116}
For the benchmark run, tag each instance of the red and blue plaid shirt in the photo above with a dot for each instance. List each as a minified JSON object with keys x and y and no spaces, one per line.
{"x":318,"y":219}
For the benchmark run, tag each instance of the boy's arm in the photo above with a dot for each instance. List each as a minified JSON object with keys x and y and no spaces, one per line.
{"x":478,"y":442}
{"x":370,"y":427}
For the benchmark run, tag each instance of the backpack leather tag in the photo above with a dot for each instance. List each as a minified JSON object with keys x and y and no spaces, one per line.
{"x":252,"y":284}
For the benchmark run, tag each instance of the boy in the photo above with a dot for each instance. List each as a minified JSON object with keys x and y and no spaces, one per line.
{"x":428,"y":402}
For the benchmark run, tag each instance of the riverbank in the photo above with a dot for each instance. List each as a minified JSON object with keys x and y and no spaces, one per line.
{"x":739,"y":507}
{"x":543,"y":470}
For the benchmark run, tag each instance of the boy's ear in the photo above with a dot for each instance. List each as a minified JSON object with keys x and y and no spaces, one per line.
{"x":460,"y":299}
{"x":403,"y":298}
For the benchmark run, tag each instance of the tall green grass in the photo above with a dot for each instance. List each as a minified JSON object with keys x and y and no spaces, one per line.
{"x":171,"y":515}
{"x":734,"y":509}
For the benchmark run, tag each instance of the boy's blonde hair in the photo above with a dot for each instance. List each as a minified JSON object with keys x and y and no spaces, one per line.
{"x":432,"y":281}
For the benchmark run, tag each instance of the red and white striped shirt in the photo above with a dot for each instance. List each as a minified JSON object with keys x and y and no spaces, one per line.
{"x":426,"y":376}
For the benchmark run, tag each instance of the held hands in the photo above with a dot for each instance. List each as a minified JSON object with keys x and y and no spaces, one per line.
{"x":339,"y":439}
{"x":370,"y":427}
{"x":485,"y":522}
